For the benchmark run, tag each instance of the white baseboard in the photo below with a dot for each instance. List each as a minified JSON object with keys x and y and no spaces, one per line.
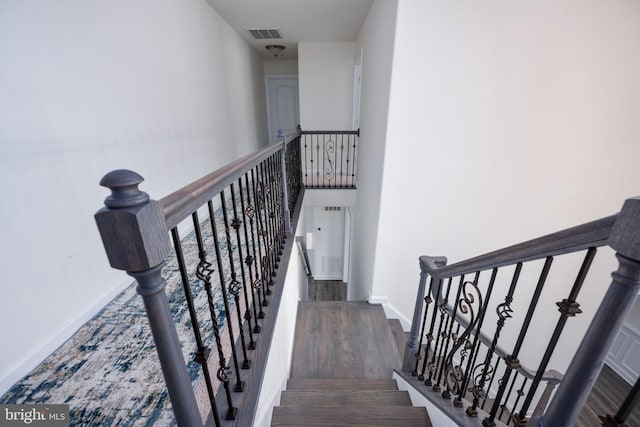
{"x":390,"y":311}
{"x":18,"y":371}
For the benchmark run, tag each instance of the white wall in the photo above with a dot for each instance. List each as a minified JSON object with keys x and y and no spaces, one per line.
{"x":377,"y":40}
{"x":162,"y":87}
{"x":281,"y":67}
{"x":326,"y":85}
{"x":507,"y":120}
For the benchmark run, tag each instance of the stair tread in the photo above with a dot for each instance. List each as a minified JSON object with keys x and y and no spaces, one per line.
{"x":345,"y":397}
{"x":350,"y":416}
{"x":340,"y":384}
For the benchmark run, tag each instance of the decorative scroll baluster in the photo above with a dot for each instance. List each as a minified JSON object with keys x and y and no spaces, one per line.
{"x":440,"y":337}
{"x":353,"y":164}
{"x":503,"y":407}
{"x":476,"y":346}
{"x":236,"y":220}
{"x":450,"y":335}
{"x":427,"y":302}
{"x":454,"y":375}
{"x":567,"y":308}
{"x":270,"y":237}
{"x":512,"y":361}
{"x":514,"y":417}
{"x":234,"y":285}
{"x":438,"y":283}
{"x":252,"y":256}
{"x":225,"y":297}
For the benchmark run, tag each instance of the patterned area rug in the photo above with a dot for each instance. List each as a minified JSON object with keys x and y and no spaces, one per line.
{"x":109,"y":372}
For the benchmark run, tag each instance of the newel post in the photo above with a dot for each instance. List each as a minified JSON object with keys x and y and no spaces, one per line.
{"x":285,"y":191}
{"x":614,"y":308}
{"x":412,"y":349}
{"x":136,"y":240}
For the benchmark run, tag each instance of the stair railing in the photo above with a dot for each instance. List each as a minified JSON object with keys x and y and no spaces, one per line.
{"x":457,"y":346}
{"x":229,"y":275}
{"x":329,"y":158}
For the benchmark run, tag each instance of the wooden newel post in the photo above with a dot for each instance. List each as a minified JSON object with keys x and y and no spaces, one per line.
{"x":136,"y":240}
{"x":618,"y":301}
{"x":412,"y":348}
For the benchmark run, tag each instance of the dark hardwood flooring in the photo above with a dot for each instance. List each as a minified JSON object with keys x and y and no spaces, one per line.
{"x":343,"y":340}
{"x":327,"y":290}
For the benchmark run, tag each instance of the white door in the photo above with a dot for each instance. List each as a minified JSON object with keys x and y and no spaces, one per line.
{"x":282,"y":104}
{"x":328,"y":236}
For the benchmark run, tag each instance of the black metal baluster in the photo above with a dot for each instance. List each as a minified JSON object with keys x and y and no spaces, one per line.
{"x":271,"y":226}
{"x":263,"y":259}
{"x":567,"y":308}
{"x":342,"y":184}
{"x":476,"y":345}
{"x":236,"y":220}
{"x":318,"y":166}
{"x":279,"y":202}
{"x":455,"y":376}
{"x":512,"y":361}
{"x":427,"y":301}
{"x":306,"y":162}
{"x":450,"y":335}
{"x":252,"y":211}
{"x":504,"y":407}
{"x":348,"y":157}
{"x":514,"y":416}
{"x":504,"y":312}
{"x":202,"y":352}
{"x":234,"y":285}
{"x":437,"y":356}
{"x":225,"y":298}
{"x":353,"y":164}
{"x":432,"y":323}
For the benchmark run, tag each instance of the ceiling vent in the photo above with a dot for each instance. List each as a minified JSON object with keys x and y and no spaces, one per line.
{"x":265,"y":33}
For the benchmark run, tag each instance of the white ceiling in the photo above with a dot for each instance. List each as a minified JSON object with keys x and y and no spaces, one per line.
{"x":297,"y":20}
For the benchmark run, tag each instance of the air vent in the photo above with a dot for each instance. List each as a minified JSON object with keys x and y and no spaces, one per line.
{"x":332,"y":208}
{"x":265,"y":33}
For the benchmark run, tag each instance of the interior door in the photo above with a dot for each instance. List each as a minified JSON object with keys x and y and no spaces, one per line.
{"x":282,"y":104}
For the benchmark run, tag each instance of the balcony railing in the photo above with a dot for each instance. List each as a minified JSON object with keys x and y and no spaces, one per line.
{"x":329,"y":158}
{"x":471,"y":339}
{"x":241,"y":216}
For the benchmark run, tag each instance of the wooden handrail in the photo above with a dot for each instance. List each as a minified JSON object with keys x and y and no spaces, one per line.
{"x":591,"y":234}
{"x":183,"y":202}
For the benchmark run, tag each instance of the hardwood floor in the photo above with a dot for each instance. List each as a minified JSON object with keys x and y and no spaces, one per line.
{"x":605,"y":398}
{"x":327,"y":290}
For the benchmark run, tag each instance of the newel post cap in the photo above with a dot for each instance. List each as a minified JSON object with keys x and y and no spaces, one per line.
{"x":132,"y":226}
{"x":625,"y":236}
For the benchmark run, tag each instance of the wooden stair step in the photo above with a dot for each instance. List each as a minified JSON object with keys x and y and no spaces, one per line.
{"x":345,"y":398}
{"x":340,"y":384}
{"x":392,"y":416}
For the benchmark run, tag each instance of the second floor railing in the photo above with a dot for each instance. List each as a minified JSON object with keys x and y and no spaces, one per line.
{"x":477,"y":337}
{"x":230,"y":266}
{"x":329,"y":158}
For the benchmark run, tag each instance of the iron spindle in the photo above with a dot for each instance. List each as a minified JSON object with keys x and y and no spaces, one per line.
{"x":440,"y":338}
{"x":247,"y":306}
{"x":306,"y":163}
{"x":225,"y":298}
{"x":471,"y":411}
{"x":433,"y":320}
{"x":512,"y":361}
{"x":517,"y":421}
{"x":567,"y":308}
{"x":507,"y":397}
{"x":261,"y":234}
{"x":252,"y":211}
{"x":427,"y":301}
{"x":234,"y":284}
{"x":203,"y":273}
{"x":353,"y":164}
{"x":342,"y":184}
{"x":446,"y":393}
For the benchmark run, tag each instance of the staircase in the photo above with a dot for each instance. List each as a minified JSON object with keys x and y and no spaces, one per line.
{"x":343,"y":358}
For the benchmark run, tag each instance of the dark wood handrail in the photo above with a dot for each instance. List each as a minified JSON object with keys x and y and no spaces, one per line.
{"x":591,"y":234}
{"x":183,"y":202}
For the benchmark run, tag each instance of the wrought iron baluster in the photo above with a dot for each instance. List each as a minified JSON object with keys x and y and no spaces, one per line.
{"x":432,"y":324}
{"x":279,"y":202}
{"x":247,"y":309}
{"x":306,"y":162}
{"x":253,"y":211}
{"x":437,"y":362}
{"x":567,"y":308}
{"x":512,"y":361}
{"x":317,"y":172}
{"x":353,"y":164}
{"x":234,"y":285}
{"x":427,"y":301}
{"x":455,"y":376}
{"x":342,"y":183}
{"x":450,"y":336}
{"x":225,"y":297}
{"x":270,"y":227}
{"x":490,"y":371}
{"x":504,"y":407}
{"x":476,"y":346}
{"x":514,"y":416}
{"x":249,"y":212}
{"x":263,"y":259}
